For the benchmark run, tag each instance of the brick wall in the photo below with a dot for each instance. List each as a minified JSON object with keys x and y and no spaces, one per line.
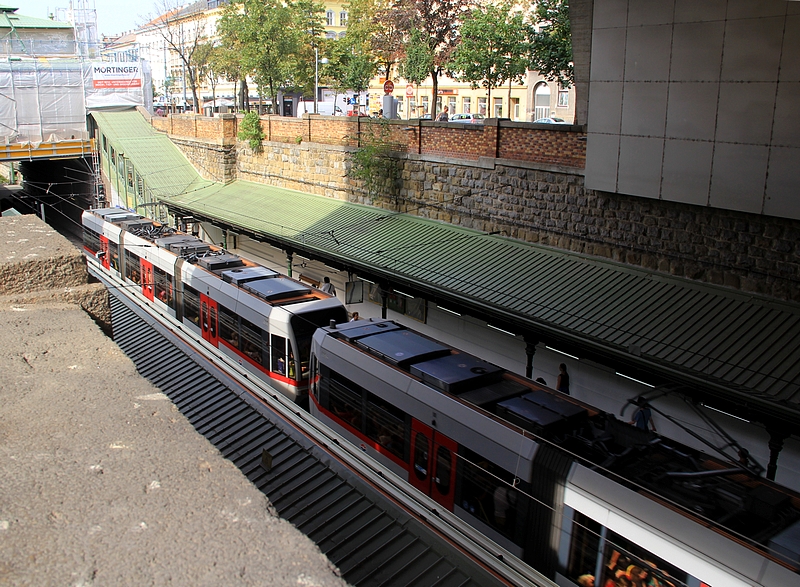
{"x":562,"y":145}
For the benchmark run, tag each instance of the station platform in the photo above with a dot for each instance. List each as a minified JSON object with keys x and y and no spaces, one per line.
{"x":102,"y":480}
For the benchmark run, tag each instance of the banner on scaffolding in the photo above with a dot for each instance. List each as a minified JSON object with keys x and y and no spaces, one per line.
{"x":116,"y":75}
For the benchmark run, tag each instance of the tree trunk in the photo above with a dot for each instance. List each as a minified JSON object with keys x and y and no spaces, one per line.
{"x":435,"y":78}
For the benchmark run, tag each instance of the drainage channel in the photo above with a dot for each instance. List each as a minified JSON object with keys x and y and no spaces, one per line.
{"x":369,"y":538}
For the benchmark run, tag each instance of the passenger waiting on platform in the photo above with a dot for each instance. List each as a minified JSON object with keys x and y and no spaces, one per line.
{"x":354,"y":317}
{"x":328,"y":287}
{"x":586,"y":580}
{"x":562,"y":384}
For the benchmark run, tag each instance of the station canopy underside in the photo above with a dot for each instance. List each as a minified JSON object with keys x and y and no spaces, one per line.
{"x":730,"y":349}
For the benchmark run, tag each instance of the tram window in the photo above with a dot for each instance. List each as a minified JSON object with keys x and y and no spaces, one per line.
{"x":91,"y":240}
{"x":251,"y":340}
{"x":486,"y":491}
{"x":443,"y":470}
{"x":191,"y":305}
{"x":133,"y":267}
{"x":229,"y":327}
{"x":583,"y":547}
{"x":113,"y":250}
{"x":304,"y":325}
{"x":278,"y":354}
{"x":344,"y":402}
{"x":387,"y":425}
{"x":623,"y":556}
{"x":421,"y":456}
{"x":164,"y":287}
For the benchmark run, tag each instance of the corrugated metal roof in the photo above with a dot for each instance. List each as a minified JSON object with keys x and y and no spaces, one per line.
{"x":10,"y":19}
{"x":164,"y":168}
{"x":713,"y":334}
{"x":727,"y":342}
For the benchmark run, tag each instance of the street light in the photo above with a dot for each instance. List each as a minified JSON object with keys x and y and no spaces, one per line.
{"x":316,"y":76}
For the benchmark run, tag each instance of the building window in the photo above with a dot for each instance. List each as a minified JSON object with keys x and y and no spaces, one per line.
{"x":330,"y":35}
{"x":563,"y":98}
{"x":343,"y":18}
{"x":451,"y":104}
{"x":498,"y":108}
{"x":329,"y":17}
{"x":466,"y":105}
{"x":482,"y":106}
{"x":514,"y":108}
{"x":541,"y":101}
{"x":425,"y":107}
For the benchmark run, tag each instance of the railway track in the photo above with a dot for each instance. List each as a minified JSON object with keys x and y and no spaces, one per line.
{"x":367,"y":523}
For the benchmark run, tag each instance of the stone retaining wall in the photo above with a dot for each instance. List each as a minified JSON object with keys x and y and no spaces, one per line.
{"x":38,"y":265}
{"x":548,"y":204}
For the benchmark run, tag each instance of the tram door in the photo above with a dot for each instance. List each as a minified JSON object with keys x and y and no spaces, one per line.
{"x":104,"y":249}
{"x":209,"y":313}
{"x":433,"y":463}
{"x":148,"y":280}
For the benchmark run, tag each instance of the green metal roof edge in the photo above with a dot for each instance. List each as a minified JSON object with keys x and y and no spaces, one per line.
{"x":20,"y":21}
{"x":165,"y":169}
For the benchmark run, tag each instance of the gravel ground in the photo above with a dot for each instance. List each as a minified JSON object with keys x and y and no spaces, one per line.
{"x":103,"y":482}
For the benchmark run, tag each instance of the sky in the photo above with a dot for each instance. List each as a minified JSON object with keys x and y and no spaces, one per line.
{"x":113,"y":16}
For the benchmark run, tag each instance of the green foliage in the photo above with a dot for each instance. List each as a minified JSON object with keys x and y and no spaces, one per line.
{"x":270,"y":36}
{"x":250,"y":130}
{"x":439,"y":26}
{"x":418,"y":62}
{"x":551,"y":53}
{"x":494,"y":47}
{"x":373,"y":163}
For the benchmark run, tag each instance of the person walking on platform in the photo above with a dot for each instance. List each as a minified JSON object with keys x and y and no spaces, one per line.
{"x":643,"y":417}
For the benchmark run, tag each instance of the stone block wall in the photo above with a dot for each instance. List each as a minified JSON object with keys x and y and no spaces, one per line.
{"x":752,"y":253}
{"x":214,"y":161}
{"x":308,"y":167}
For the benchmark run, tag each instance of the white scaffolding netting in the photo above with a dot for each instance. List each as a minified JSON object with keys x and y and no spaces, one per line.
{"x":47,"y":100}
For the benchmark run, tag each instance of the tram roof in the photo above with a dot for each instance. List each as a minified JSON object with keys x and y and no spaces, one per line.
{"x":737,"y":350}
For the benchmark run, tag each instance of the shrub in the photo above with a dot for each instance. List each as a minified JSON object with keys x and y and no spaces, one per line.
{"x":250,"y":131}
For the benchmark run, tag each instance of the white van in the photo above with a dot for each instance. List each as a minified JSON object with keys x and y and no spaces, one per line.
{"x":323,"y":108}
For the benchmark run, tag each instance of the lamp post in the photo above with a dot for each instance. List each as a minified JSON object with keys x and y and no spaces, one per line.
{"x":316,"y":76}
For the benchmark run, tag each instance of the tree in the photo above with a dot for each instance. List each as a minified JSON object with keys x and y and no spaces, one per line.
{"x":311,"y":27}
{"x":206,"y":68}
{"x":494,"y":47}
{"x":183,"y":30}
{"x":551,"y":53}
{"x":267,"y":33}
{"x":418,"y":61}
{"x":438,"y":22}
{"x":376,"y":22}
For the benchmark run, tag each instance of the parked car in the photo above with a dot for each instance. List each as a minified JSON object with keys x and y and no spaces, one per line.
{"x":468,"y":118}
{"x":551,"y":120}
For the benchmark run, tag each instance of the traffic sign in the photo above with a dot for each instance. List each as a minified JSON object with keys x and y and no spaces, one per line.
{"x":409,"y":90}
{"x":388,"y":86}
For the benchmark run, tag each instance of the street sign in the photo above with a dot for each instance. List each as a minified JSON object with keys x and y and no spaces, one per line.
{"x":388,"y":86}
{"x":409,"y":90}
